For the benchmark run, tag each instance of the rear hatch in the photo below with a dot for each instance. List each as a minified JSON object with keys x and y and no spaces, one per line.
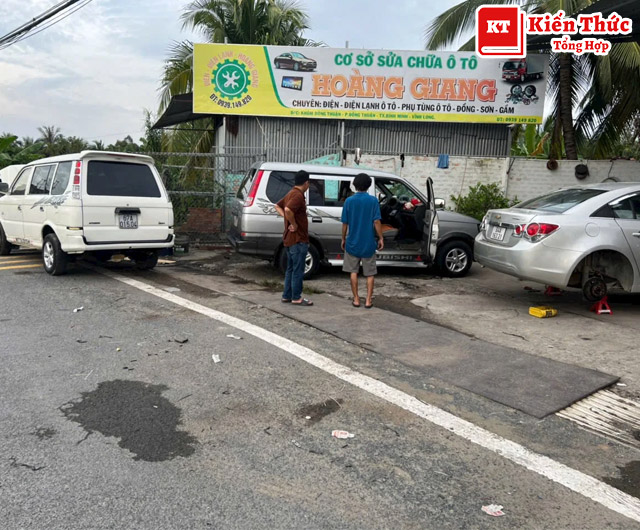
{"x":124,"y":201}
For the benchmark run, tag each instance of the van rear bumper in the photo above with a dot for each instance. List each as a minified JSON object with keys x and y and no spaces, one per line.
{"x":76,"y":244}
{"x":249,"y":246}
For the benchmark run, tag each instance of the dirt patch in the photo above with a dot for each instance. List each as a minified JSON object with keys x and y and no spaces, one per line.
{"x":135,"y":412}
{"x":44,"y":433}
{"x":629,"y":480}
{"x":318,"y":411}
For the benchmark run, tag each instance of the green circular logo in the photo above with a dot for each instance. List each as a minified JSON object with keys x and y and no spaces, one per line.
{"x":231,"y":79}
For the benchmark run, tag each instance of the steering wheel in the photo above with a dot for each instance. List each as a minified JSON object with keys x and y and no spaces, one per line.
{"x":383,"y":199}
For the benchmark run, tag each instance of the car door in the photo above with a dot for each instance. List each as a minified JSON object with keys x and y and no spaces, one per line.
{"x":288,"y":60}
{"x":627,"y":212}
{"x":11,"y":207}
{"x":430,"y":227}
{"x":326,"y":197}
{"x":35,"y":206}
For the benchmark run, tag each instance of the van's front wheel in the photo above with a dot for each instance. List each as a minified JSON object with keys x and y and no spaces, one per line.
{"x":5,"y":246}
{"x":55,"y":260}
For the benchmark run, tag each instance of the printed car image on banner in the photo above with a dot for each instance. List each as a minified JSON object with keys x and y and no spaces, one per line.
{"x":367,"y":84}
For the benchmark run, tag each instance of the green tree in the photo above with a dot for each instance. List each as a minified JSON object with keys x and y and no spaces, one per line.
{"x":280,"y":22}
{"x":480,"y":199}
{"x":594,"y":98}
{"x":50,"y":136}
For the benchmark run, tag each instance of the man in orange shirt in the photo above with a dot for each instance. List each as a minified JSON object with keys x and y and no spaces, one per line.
{"x":293,"y":208}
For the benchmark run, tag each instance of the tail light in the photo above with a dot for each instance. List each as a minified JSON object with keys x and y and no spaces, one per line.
{"x":77,"y":172}
{"x":538,"y":231}
{"x":251,"y":197}
{"x":519,"y":230}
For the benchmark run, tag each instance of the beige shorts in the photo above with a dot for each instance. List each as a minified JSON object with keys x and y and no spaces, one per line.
{"x":352,"y":264}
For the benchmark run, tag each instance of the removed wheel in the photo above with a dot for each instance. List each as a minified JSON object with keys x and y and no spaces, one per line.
{"x":55,"y":260}
{"x":594,"y":289}
{"x":5,"y":246}
{"x":311,"y":263}
{"x":454,"y":258}
{"x":145,"y":260}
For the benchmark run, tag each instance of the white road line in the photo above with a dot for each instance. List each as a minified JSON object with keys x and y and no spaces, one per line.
{"x":573,"y":479}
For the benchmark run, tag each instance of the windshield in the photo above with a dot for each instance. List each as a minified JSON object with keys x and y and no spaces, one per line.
{"x":509,"y":66}
{"x":298,"y":55}
{"x":560,"y":201}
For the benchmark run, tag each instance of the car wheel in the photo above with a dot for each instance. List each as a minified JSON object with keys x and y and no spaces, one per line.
{"x":278,"y":66}
{"x":454,"y":258}
{"x":311,"y":264}
{"x":296,"y":66}
{"x":594,"y":289}
{"x":55,"y":260}
{"x":5,"y":246}
{"x":145,"y":260}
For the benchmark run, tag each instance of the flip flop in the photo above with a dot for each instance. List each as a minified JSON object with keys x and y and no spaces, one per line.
{"x":368,"y":306}
{"x":304,"y":302}
{"x":285,"y":301}
{"x":355,"y":305}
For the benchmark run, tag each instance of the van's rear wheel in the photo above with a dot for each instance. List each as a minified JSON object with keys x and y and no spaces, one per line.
{"x":145,"y":260}
{"x":311,"y":264}
{"x":5,"y":246}
{"x":55,"y":260}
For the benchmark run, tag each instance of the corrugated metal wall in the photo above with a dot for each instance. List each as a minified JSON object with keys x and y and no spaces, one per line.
{"x":300,"y":139}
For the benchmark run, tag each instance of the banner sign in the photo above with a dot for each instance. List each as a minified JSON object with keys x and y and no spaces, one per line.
{"x":367,"y":84}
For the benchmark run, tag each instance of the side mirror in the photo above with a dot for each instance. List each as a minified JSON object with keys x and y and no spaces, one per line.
{"x":440,"y":204}
{"x":4,"y":187}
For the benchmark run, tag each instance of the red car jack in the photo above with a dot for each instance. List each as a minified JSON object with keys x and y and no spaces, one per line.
{"x":601,"y":307}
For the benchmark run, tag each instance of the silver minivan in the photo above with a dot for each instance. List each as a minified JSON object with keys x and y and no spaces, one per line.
{"x":410,"y":221}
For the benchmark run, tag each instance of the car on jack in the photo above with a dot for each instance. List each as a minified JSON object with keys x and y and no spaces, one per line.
{"x":585,"y":237}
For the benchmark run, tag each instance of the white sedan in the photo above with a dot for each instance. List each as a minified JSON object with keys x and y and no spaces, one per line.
{"x":585,"y":237}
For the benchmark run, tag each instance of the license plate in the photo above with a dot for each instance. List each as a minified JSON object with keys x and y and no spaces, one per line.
{"x":498,"y":232}
{"x":128,"y":220}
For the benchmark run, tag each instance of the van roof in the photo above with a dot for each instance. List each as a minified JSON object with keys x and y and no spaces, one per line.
{"x":326,"y":169}
{"x":93,"y":154}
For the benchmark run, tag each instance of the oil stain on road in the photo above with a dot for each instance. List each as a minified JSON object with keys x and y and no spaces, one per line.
{"x":145,"y":422}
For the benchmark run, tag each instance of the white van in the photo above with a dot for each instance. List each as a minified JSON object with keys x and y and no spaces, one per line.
{"x":92,"y":202}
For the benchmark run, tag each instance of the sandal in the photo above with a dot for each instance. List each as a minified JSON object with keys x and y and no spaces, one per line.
{"x":304,"y":302}
{"x":368,"y":306}
{"x":355,"y":305}
{"x":285,"y":300}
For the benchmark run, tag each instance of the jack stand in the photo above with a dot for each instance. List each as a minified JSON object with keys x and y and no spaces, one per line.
{"x":602,"y":307}
{"x":552,"y":291}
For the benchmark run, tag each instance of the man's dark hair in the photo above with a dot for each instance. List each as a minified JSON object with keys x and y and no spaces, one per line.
{"x":301,"y":177}
{"x":362,"y":182}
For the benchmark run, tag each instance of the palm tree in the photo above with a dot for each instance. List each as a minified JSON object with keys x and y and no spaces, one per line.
{"x":276,"y":22}
{"x":97,"y":145}
{"x":51,"y":137}
{"x":594,"y":98}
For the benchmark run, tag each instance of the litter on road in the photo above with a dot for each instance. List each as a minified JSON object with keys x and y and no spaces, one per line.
{"x":180,"y":341}
{"x":343,"y":435}
{"x":118,"y":349}
{"x":216,"y":358}
{"x":495,"y":510}
{"x":78,"y":309}
{"x":234,"y":337}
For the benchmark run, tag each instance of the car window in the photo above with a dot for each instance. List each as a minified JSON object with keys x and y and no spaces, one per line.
{"x":243,"y":190}
{"x":280,"y":183}
{"x":121,"y":179}
{"x":560,"y":201}
{"x":20,"y":184}
{"x":395,"y":188}
{"x":61,"y":178}
{"x":41,"y":181}
{"x":329,"y":192}
{"x":627,"y":208}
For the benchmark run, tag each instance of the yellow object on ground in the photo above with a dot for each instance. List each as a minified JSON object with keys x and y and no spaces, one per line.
{"x":543,"y":312}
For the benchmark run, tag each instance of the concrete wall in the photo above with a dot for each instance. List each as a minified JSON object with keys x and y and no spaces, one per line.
{"x":520,"y":177}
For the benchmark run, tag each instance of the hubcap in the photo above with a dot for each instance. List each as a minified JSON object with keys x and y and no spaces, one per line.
{"x":308,"y":262}
{"x":456,"y":260}
{"x":47,"y":254}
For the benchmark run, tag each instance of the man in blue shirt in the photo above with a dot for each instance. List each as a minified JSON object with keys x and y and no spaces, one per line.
{"x":360,"y":226}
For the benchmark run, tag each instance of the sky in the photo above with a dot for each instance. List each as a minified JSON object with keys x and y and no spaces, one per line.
{"x":95,"y":72}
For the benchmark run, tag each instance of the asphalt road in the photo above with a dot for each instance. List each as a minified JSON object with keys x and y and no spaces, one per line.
{"x":117,"y":416}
